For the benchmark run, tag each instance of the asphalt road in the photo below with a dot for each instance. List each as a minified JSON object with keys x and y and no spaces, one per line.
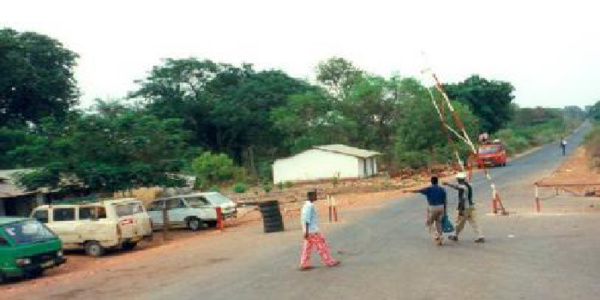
{"x":386,"y":254}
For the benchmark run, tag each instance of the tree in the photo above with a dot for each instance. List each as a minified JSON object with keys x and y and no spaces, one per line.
{"x":227,"y":108}
{"x":105,"y":153}
{"x":488,"y":99}
{"x":594,"y":111}
{"x":338,"y":75}
{"x":420,"y":138}
{"x":36,"y":78}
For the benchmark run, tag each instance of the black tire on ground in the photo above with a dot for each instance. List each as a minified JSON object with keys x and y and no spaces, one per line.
{"x":128,"y":245}
{"x":271,"y":214}
{"x":194,"y":224}
{"x":269,"y":203}
{"x":273,"y":224}
{"x":273,"y":229}
{"x":273,"y":220}
{"x":93,"y":248}
{"x":269,"y":209}
{"x":34,"y":273}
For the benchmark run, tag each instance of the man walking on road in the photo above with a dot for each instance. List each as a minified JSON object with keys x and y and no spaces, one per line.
{"x":312,"y":236}
{"x":563,"y":145}
{"x":436,"y":198}
{"x":466,"y":208}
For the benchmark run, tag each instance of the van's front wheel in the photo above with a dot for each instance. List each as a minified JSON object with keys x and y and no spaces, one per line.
{"x":194,"y":224}
{"x":93,"y":248}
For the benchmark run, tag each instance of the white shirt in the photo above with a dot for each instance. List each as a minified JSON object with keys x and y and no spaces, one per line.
{"x":309,"y":215}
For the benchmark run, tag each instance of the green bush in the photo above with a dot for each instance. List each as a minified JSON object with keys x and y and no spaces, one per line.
{"x":211,"y":169}
{"x":267,"y":187}
{"x":214,"y":188}
{"x":240,"y":188}
{"x":288,"y":184}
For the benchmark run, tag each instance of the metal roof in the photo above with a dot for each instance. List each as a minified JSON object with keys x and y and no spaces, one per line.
{"x":347,"y":150}
{"x":8,"y":186}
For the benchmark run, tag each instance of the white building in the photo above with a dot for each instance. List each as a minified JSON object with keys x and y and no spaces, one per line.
{"x":324,"y":162}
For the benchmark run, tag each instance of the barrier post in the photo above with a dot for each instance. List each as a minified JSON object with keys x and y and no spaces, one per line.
{"x":219,"y":217}
{"x":538,"y":205}
{"x":330,"y":208}
{"x":333,"y":204}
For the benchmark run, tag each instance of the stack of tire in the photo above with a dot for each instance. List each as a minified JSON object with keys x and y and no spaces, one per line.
{"x":272,"y":219}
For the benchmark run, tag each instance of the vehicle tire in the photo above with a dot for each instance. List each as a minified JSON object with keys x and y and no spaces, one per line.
{"x":128,"y":246}
{"x":278,"y":218}
{"x":94,"y":249}
{"x":271,"y":214}
{"x":34,"y":273}
{"x":274,"y":229}
{"x":2,"y":278}
{"x":194,"y":224}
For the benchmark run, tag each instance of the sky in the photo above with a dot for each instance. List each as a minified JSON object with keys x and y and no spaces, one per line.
{"x":549,"y":50}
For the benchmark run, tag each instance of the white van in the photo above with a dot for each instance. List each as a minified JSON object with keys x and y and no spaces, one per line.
{"x":192,"y":211}
{"x":96,"y":227}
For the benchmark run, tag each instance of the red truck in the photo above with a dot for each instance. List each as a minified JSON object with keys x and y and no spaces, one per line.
{"x":491,"y":155}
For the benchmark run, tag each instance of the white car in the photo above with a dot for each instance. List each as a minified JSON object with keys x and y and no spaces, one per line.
{"x":95,"y":227}
{"x":192,"y":211}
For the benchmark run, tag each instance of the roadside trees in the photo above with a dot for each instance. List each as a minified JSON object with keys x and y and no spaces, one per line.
{"x":105,"y":153}
{"x":488,"y":99}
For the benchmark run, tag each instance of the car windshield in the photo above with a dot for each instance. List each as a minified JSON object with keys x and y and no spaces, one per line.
{"x":218,"y":199}
{"x":489,"y":150}
{"x":29,"y":231}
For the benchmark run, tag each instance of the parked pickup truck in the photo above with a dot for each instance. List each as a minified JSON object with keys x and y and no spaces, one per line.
{"x":27,"y":248}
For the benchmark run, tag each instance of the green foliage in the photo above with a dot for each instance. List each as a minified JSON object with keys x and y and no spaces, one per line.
{"x":488,"y":99}
{"x":420,"y":138}
{"x":36,"y":78}
{"x":211,"y":169}
{"x":280,"y":186}
{"x":267,"y":187}
{"x":240,"y":188}
{"x":214,"y":188}
{"x":592,"y":145}
{"x":105,"y":153}
{"x":11,"y":138}
{"x":227,"y":108}
{"x":288,"y":184}
{"x":594,"y":111}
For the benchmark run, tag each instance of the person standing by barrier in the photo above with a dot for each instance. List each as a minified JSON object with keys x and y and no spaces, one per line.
{"x":436,"y":198}
{"x":312,"y":235}
{"x":563,"y":145}
{"x":466,"y":208}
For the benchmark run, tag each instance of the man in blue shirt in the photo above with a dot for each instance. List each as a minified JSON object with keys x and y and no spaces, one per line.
{"x":312,"y":235}
{"x":436,"y":198}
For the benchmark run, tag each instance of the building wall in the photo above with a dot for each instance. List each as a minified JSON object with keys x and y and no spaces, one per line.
{"x":316,"y":164}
